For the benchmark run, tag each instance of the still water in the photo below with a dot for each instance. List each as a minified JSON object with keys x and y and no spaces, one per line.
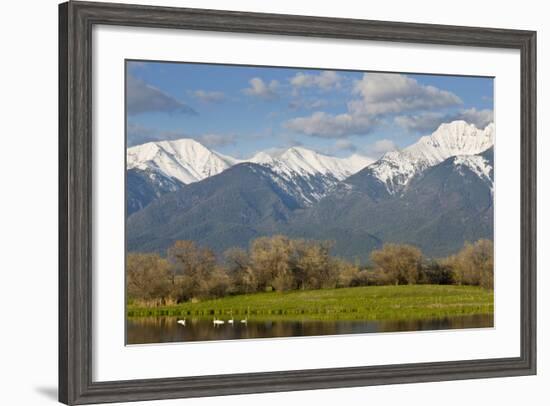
{"x":147,"y":330}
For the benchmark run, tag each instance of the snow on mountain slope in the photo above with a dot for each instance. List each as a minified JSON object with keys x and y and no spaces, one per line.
{"x":358,"y":162}
{"x":185,"y":160}
{"x":477,"y":164}
{"x":304,"y":162}
{"x":308,"y":174}
{"x":396,"y":168}
{"x":451,"y":139}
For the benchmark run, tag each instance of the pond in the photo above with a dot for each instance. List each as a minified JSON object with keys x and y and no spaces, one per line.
{"x":148,"y":330}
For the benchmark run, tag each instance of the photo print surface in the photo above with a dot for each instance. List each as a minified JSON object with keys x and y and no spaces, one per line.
{"x":270,"y":202}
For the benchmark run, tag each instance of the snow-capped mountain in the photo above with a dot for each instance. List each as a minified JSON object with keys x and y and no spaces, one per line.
{"x":458,"y":138}
{"x":481,"y":165}
{"x":145,"y":186}
{"x":308,"y":175}
{"x":435,"y":194}
{"x":302,"y":161}
{"x":445,"y":205}
{"x":186,"y":160}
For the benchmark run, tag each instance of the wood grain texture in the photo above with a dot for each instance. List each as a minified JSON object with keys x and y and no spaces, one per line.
{"x":76,"y":20}
{"x":63,"y":323}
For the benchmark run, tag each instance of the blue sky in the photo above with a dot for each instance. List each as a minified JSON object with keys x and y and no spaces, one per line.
{"x":240,"y":110}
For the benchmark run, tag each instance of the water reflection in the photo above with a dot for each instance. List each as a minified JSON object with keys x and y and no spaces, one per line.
{"x":146,"y":330}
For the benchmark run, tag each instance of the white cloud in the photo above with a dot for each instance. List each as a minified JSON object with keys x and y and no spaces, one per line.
{"x":379,"y":95}
{"x":429,"y":121}
{"x":384,"y":93}
{"x":307,"y":104}
{"x":380,"y":147}
{"x":345,"y":145}
{"x":216,"y":140}
{"x":261,"y":89}
{"x":479,"y":118}
{"x":209,"y":96}
{"x":291,"y":141}
{"x":137,"y":134}
{"x":142,"y":97}
{"x":326,"y":125}
{"x":420,"y":123}
{"x":325,"y":80}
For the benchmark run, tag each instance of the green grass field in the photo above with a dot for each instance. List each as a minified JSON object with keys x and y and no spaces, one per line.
{"x":359,"y":303}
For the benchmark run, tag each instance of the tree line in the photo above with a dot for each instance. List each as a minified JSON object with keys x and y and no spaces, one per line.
{"x":190,"y":272}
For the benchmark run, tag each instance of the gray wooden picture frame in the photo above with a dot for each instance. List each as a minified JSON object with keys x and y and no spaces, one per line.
{"x":76,"y":20}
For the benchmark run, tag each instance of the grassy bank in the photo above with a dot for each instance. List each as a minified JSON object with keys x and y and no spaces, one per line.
{"x":359,"y":303}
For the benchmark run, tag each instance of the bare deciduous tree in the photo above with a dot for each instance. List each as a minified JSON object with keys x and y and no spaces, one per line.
{"x":270,"y":259}
{"x":242,"y":276}
{"x":473,"y":265}
{"x":400,"y":262}
{"x":191,"y":272}
{"x":193,"y":265}
{"x":148,"y":278}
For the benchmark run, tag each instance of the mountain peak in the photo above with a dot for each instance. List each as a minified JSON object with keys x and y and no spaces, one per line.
{"x":450,"y":139}
{"x":262,"y":157}
{"x":299,"y":150}
{"x":359,"y":162}
{"x":184,"y":159}
{"x":456,"y":125}
{"x":311,"y":173}
{"x":396,"y":168}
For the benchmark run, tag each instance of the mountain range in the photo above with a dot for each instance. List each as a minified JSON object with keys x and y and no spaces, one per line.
{"x":435,"y":194}
{"x":156,"y":168}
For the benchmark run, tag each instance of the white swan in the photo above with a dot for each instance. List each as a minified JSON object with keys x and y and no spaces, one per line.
{"x":245,"y":320}
{"x":217,"y":322}
{"x":182,"y":322}
{"x":231,"y":320}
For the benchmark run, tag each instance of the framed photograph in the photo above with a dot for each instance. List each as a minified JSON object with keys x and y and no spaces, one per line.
{"x":258,"y":203}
